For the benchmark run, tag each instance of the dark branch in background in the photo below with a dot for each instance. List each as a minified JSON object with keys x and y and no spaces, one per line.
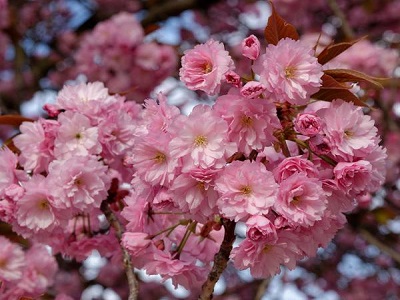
{"x":161,"y":10}
{"x":132,"y":281}
{"x":347,"y":30}
{"x":220,"y":260}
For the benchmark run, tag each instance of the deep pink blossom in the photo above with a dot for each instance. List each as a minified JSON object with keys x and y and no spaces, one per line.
{"x":12,"y":260}
{"x":251,"y":47}
{"x":308,"y":124}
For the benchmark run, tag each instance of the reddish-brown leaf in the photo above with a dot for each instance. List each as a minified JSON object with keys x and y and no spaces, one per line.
{"x":332,"y":89}
{"x":13,"y":120}
{"x":277,"y":28}
{"x":333,"y":50}
{"x":344,"y":75}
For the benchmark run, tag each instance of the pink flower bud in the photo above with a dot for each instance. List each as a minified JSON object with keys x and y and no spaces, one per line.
{"x":261,"y":229}
{"x":135,"y":242}
{"x":251,"y":47}
{"x":233,"y":78}
{"x":252,"y":89}
{"x":308,"y":124}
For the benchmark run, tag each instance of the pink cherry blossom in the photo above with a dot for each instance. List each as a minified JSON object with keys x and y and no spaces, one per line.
{"x":289,"y":71}
{"x":204,"y":67}
{"x":252,"y":89}
{"x":246,"y":189}
{"x":301,"y":200}
{"x":353,"y":177}
{"x":12,"y":260}
{"x":202,"y":141}
{"x":135,"y":242}
{"x":251,"y":121}
{"x":292,"y":165}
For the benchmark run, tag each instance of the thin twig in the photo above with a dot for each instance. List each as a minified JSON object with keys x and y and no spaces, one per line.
{"x":346,"y":28}
{"x":381,"y":246}
{"x":220,"y":260}
{"x":132,"y":281}
{"x":262,"y":288}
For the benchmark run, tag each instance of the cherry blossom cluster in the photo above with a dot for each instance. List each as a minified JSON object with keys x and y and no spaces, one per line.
{"x":265,"y":155}
{"x":115,"y":57}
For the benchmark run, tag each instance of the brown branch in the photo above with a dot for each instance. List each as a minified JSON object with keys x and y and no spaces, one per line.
{"x":220,"y":260}
{"x":262,"y":288}
{"x":381,"y":246}
{"x":132,"y":281}
{"x":346,"y":28}
{"x":165,"y":9}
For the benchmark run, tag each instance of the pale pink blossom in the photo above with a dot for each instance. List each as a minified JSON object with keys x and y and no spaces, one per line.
{"x":252,"y":122}
{"x":289,"y":71}
{"x":251,"y":47}
{"x":246,"y":189}
{"x":36,"y":209}
{"x":301,"y":200}
{"x":202,"y":141}
{"x":8,"y":169}
{"x":76,"y":136}
{"x":12,"y":260}
{"x":204,"y":67}
{"x":36,"y":143}
{"x":348,"y":132}
{"x":152,"y":160}
{"x":81,"y":182}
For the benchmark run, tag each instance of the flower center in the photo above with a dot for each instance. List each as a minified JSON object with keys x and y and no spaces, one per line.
{"x":160,"y":157}
{"x":200,"y":141}
{"x":247,"y":121}
{"x":295,"y":200}
{"x":246,"y":190}
{"x":78,"y":136}
{"x":348,"y":134}
{"x":43,"y":204}
{"x":290,"y":72}
{"x":207,"y":67}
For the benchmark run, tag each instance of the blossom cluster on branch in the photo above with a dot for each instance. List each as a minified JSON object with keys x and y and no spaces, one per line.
{"x":284,"y":151}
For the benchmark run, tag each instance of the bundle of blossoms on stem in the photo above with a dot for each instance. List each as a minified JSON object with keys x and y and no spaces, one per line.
{"x":267,"y":154}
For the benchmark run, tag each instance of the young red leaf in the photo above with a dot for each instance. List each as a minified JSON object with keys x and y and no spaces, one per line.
{"x":333,"y":50}
{"x":345,"y":75}
{"x":277,"y":28}
{"x":13,"y":120}
{"x":332,"y":89}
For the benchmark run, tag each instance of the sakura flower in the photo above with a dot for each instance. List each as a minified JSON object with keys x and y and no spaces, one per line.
{"x":204,"y":67}
{"x":81,"y":182}
{"x":36,"y":210}
{"x":265,"y":259}
{"x":301,"y":200}
{"x":90,"y":99}
{"x":246,"y":189}
{"x":251,"y":121}
{"x":289,"y":71}
{"x":202,"y":140}
{"x":12,"y":260}
{"x":152,"y":160}
{"x":8,"y":172}
{"x":76,"y":136}
{"x":353,"y":177}
{"x":36,"y":143}
{"x":348,"y":132}
{"x":252,"y":89}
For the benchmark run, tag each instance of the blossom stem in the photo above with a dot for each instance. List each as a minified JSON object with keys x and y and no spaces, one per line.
{"x":132,"y":281}
{"x":190,"y":228}
{"x":220,"y":260}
